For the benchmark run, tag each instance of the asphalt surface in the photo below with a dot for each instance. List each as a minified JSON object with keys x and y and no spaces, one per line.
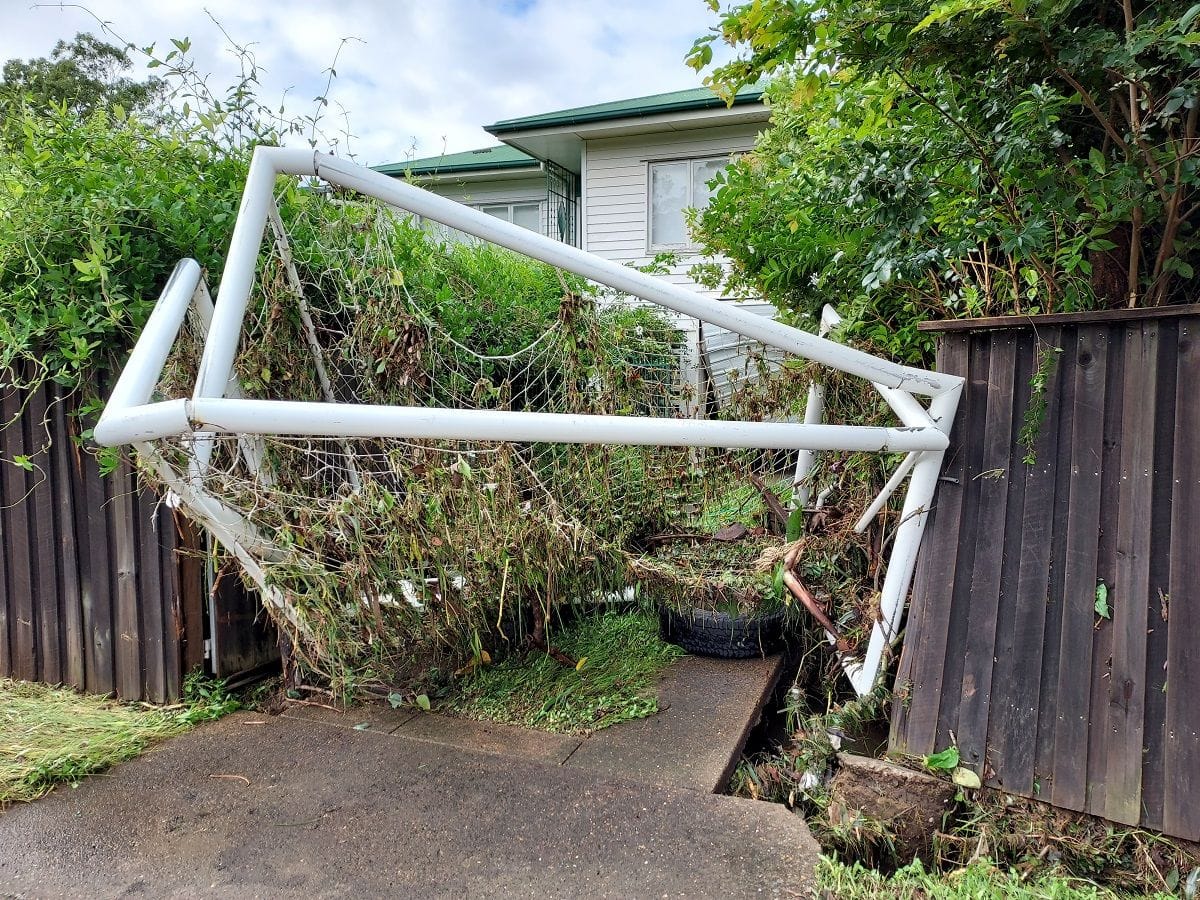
{"x":257,"y":806}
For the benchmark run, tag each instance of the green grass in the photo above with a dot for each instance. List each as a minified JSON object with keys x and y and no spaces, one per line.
{"x":50,"y":735}
{"x":978,"y":881}
{"x":621,"y":656}
{"x":740,"y":503}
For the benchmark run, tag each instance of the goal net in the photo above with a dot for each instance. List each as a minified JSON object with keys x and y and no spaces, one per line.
{"x":412,"y":438}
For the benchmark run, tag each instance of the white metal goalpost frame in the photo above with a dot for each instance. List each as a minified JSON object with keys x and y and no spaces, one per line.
{"x":216,"y":406}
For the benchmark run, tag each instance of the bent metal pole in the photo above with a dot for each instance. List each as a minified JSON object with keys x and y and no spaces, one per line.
{"x":131,"y":417}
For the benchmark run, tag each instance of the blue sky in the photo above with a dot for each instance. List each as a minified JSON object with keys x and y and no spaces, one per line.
{"x":424,"y":76}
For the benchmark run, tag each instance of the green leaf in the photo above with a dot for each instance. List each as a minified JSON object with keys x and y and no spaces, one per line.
{"x":965,"y":778}
{"x":396,"y":700}
{"x":362,"y":726}
{"x":24,"y":462}
{"x":1186,"y":20}
{"x":1102,"y":608}
{"x":423,"y":702}
{"x":943,"y":761}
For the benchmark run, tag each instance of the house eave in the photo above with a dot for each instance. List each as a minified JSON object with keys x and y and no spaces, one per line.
{"x":563,"y":144}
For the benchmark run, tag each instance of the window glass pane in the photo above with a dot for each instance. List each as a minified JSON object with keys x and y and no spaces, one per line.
{"x":526,"y":215}
{"x":499,"y":210}
{"x":703,"y":171}
{"x":668,"y":196}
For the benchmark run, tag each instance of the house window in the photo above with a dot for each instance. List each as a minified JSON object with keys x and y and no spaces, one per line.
{"x":674,"y":187}
{"x":527,"y":215}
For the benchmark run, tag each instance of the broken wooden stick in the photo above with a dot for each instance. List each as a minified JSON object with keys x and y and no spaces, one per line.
{"x":778,"y":513}
{"x":805,"y":596}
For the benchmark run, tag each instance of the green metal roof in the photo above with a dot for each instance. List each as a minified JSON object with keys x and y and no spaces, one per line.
{"x":675,"y":101}
{"x":499,"y":157}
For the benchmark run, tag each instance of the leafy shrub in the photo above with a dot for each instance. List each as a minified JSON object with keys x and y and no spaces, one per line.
{"x":96,"y":211}
{"x":963,"y":158}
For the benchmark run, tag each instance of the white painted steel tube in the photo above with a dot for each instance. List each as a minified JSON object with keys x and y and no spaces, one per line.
{"x":814,"y":411}
{"x":216,"y":363}
{"x":906,"y":407}
{"x":337,"y":420}
{"x":913,"y":516}
{"x":148,"y":422}
{"x":622,"y":278}
{"x":888,"y":489}
{"x":145,"y":363}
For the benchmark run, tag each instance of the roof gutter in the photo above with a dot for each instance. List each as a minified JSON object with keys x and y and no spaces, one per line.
{"x":509,"y":126}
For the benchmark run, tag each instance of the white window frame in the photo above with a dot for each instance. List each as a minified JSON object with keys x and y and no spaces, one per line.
{"x":492,"y":204}
{"x":688,"y":245}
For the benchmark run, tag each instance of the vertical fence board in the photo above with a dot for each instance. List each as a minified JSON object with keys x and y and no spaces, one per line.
{"x":191,"y":596}
{"x":127,"y":627}
{"x":1018,"y":735}
{"x":1068,"y":782}
{"x":150,"y":587}
{"x":989,"y":555}
{"x":62,"y":452}
{"x":975,"y":396}
{"x":922,"y":674}
{"x":1045,"y":696}
{"x":40,"y":505}
{"x":1155,"y":711}
{"x":1004,"y":664}
{"x":95,"y":577}
{"x":21,"y":621}
{"x":174,"y":588}
{"x":6,"y":660}
{"x":1061,"y":499}
{"x":1181,"y":765}
{"x":1130,"y":594}
{"x":1106,"y":562}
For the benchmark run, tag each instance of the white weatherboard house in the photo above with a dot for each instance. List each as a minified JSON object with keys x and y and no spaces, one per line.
{"x":613,"y":179}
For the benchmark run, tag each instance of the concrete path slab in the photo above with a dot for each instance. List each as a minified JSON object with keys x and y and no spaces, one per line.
{"x":707,"y":709}
{"x":296,"y":808}
{"x":369,"y":716}
{"x":490,"y":737}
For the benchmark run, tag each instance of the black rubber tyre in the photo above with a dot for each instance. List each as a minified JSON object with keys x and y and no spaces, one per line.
{"x":720,"y":635}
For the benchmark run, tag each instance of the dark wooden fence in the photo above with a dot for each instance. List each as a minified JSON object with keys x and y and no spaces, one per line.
{"x":1087,"y":700}
{"x":92,"y":593}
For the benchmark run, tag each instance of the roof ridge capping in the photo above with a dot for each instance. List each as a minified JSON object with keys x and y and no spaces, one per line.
{"x":635,"y":107}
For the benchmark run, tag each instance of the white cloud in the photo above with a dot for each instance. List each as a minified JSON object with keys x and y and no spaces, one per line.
{"x":428,"y":74}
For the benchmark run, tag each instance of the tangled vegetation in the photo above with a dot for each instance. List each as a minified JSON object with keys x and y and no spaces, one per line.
{"x":392,"y":557}
{"x":387,"y":557}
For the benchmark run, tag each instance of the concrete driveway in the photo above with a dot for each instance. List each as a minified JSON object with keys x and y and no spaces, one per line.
{"x":259,"y":806}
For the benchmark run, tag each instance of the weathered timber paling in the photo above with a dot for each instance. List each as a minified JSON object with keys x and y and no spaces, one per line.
{"x":89,"y":584}
{"x":1007,"y":653}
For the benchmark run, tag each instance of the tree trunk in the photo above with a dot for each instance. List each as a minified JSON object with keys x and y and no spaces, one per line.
{"x":1110,"y":269}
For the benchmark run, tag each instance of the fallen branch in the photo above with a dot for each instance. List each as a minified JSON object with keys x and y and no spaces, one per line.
{"x":241,"y":778}
{"x":537,"y":639}
{"x":297,"y":702}
{"x":667,"y":536}
{"x":774,"y":506}
{"x":804,"y":595}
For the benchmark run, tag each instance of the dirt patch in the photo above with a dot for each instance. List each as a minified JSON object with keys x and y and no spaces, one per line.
{"x":911,"y":804}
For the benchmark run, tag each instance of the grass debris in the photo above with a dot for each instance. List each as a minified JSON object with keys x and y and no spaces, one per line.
{"x":978,"y":880}
{"x":52,"y":735}
{"x":620,"y":658}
